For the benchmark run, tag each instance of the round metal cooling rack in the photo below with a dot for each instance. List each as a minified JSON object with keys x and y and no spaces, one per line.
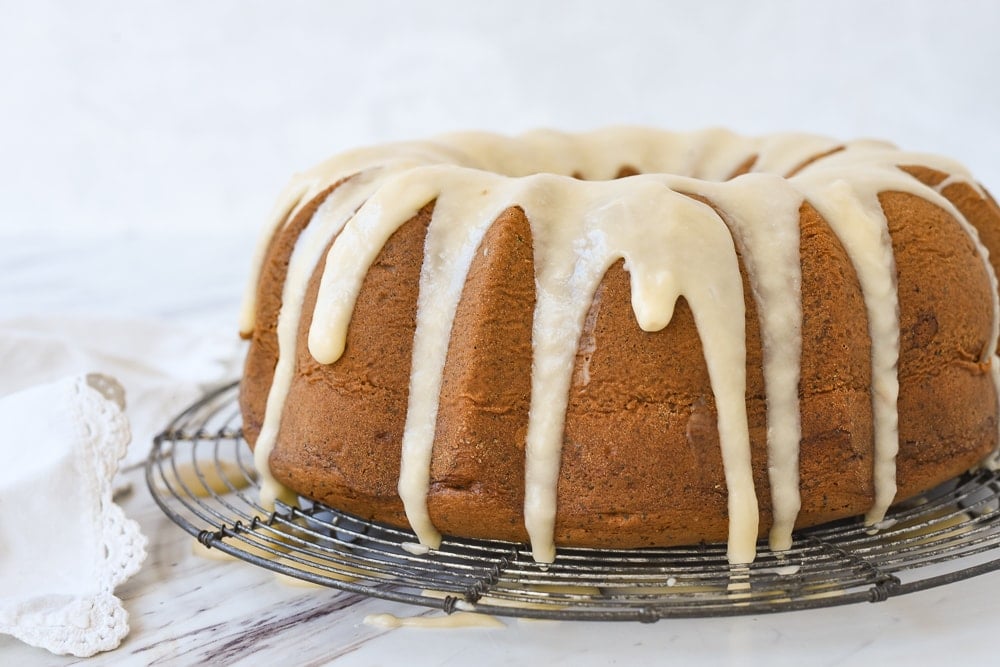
{"x":200,"y":472}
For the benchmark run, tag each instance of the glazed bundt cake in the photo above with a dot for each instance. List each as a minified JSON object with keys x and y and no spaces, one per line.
{"x":624,"y":338}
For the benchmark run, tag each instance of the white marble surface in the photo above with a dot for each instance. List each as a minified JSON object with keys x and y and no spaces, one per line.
{"x":140,"y":148}
{"x":186,"y":609}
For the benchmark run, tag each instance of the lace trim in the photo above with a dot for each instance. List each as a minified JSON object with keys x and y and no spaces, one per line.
{"x":85,"y":625}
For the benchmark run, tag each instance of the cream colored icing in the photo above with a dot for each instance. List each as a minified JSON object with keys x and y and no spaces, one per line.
{"x":416,"y":549}
{"x":459,"y":619}
{"x":205,"y":480}
{"x":844,"y":189}
{"x":327,"y":222}
{"x":672,"y":245}
{"x":766,"y":230}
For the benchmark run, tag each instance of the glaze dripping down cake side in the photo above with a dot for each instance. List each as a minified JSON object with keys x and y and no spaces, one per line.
{"x":624,"y":338}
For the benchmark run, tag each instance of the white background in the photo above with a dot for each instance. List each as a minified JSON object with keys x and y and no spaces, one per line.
{"x":188,"y":115}
{"x":142,"y":144}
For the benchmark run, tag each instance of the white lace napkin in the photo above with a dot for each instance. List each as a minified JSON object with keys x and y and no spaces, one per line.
{"x":64,"y":544}
{"x":163,"y":366}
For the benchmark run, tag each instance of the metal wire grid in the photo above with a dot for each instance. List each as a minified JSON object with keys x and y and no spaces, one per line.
{"x":201,"y":474}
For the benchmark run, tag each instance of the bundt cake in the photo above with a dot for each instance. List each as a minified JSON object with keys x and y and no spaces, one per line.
{"x":623,"y":338}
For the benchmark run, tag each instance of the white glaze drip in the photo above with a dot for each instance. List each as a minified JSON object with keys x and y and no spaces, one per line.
{"x":459,"y":619}
{"x":326,"y":223}
{"x":461,"y":218}
{"x":844,"y":188}
{"x":579,"y":230}
{"x":862,"y":231}
{"x":766,"y":230}
{"x":306,"y":186}
{"x":398,"y":198}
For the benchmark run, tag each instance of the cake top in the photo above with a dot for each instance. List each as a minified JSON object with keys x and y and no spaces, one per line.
{"x":583,"y":219}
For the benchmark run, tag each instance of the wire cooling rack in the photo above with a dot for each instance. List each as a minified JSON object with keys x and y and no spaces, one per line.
{"x":200,"y":472}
